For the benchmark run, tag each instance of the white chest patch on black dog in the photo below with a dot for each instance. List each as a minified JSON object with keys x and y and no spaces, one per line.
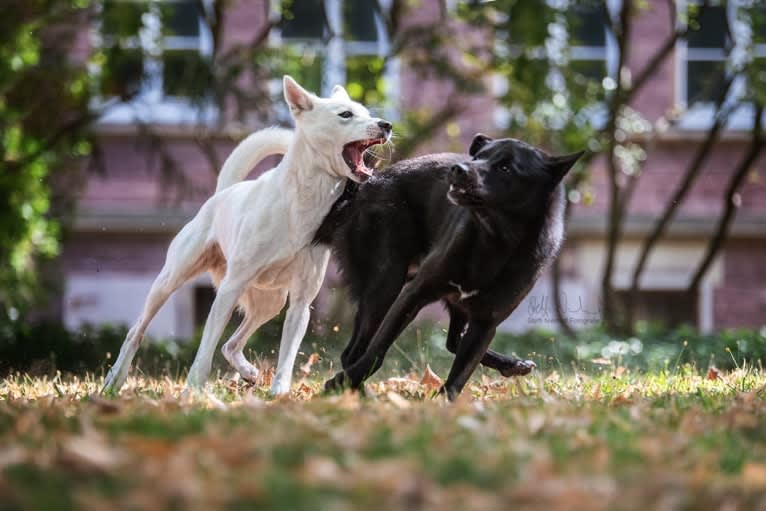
{"x":464,"y":294}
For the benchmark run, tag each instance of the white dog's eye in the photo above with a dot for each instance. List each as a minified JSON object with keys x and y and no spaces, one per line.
{"x":347,"y":114}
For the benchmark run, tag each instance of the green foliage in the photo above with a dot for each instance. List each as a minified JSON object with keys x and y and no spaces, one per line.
{"x":44,"y":348}
{"x":651,"y":348}
{"x":43,"y":99}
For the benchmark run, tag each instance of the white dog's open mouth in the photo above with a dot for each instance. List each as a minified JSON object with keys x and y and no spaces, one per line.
{"x":353,"y":155}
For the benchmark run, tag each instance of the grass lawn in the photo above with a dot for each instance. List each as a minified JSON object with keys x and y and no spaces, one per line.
{"x":677,"y":439}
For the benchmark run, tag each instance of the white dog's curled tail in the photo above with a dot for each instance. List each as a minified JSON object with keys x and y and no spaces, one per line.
{"x":250,"y":152}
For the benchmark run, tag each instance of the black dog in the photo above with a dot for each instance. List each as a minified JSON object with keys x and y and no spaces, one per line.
{"x":480,"y":231}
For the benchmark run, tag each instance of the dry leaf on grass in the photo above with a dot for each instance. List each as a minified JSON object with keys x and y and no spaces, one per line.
{"x":105,"y":406}
{"x":90,"y":452}
{"x":431,"y":379}
{"x":265,"y":375}
{"x":12,"y":455}
{"x":754,"y":475}
{"x":215,"y":403}
{"x":397,"y":400}
{"x":714,"y":373}
{"x":306,"y":368}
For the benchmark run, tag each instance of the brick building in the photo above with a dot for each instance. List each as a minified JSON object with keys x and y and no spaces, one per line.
{"x":125,"y":220}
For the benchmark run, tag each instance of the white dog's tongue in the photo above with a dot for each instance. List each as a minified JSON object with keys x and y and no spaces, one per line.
{"x":361,"y":168}
{"x":358,"y":157}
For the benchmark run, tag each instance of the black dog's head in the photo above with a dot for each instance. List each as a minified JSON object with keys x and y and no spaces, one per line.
{"x":507,"y":174}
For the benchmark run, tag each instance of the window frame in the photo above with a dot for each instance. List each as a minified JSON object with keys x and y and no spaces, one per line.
{"x":701,"y":114}
{"x":609,"y":53}
{"x":335,"y":49}
{"x":151,"y":105}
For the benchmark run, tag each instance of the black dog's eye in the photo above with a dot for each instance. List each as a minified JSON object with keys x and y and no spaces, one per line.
{"x":504,"y":167}
{"x":346,"y":114}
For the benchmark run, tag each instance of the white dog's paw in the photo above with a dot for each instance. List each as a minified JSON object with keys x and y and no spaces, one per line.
{"x":279,"y":388}
{"x":196,"y":379}
{"x":113,"y":382}
{"x":246,"y":370}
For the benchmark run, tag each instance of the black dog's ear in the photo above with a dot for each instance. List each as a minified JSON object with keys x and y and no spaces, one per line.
{"x":479,"y":141}
{"x":560,"y":165}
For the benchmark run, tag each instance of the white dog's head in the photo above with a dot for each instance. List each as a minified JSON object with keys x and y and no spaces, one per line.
{"x":342,"y":128}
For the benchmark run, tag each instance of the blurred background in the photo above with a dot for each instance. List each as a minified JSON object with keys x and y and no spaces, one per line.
{"x":116,"y":115}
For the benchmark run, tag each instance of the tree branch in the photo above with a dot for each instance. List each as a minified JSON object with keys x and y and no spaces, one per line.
{"x":690,"y":176}
{"x":731,"y":201}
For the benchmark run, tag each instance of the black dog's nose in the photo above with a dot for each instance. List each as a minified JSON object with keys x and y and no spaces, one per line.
{"x":459,"y":170}
{"x":385,"y":125}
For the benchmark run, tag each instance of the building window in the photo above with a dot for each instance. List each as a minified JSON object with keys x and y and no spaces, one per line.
{"x":155,"y":55}
{"x":578,"y":39}
{"x":338,"y":42}
{"x":706,"y":55}
{"x":717,"y":43}
{"x":592,"y":49}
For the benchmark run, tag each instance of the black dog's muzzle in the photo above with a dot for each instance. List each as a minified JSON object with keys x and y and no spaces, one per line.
{"x":461,"y":174}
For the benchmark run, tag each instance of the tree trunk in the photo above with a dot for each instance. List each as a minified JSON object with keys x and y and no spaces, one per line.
{"x":614,"y":218}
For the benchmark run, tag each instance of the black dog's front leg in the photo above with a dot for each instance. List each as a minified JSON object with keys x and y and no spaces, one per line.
{"x":413,"y":297}
{"x":505,"y":364}
{"x":471,"y":349}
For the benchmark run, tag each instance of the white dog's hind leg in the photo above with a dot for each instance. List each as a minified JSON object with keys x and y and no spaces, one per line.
{"x":303,"y":289}
{"x":260,"y":306}
{"x":162,"y":288}
{"x":184,"y":260}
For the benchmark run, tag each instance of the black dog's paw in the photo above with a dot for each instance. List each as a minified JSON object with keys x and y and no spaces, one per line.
{"x":517,"y":368}
{"x":336,"y":384}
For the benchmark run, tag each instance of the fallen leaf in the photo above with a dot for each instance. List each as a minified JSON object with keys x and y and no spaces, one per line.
{"x":714,"y":373}
{"x":215,"y":403}
{"x":12,"y":455}
{"x":430,"y":378}
{"x":105,"y":406}
{"x":320,"y":469}
{"x":90,"y":452}
{"x":306,"y":368}
{"x":397,"y":400}
{"x":304,"y":390}
{"x":754,"y":475}
{"x":265,"y":375}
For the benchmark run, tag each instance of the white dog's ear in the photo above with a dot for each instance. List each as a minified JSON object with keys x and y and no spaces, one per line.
{"x":298,"y":98}
{"x":339,"y":92}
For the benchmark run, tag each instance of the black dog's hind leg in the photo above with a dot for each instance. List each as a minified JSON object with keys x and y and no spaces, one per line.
{"x":413,"y":297}
{"x":471,"y":349}
{"x":507,"y":365}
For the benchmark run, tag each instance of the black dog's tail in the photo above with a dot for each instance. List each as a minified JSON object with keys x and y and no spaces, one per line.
{"x":338,"y":214}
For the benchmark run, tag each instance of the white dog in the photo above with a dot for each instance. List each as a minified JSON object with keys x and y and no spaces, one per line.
{"x":255,"y":237}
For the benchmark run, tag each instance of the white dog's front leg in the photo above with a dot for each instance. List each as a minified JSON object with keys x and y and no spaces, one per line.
{"x":296,"y":322}
{"x":303,"y":289}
